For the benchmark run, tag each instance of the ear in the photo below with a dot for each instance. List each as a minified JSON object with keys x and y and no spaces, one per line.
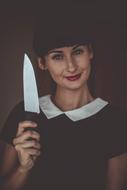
{"x":41,"y":63}
{"x":91,"y":54}
{"x":91,"y":51}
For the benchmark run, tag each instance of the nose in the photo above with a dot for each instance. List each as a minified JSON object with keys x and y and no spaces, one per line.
{"x":71,"y":64}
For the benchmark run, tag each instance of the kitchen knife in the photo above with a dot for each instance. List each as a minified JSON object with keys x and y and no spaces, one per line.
{"x":30,"y":92}
{"x":31,"y":100}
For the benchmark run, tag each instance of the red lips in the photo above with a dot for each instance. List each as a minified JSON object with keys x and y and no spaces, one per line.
{"x":75,"y":77}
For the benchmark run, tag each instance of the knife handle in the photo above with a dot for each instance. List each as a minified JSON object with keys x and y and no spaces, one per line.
{"x":30,"y":116}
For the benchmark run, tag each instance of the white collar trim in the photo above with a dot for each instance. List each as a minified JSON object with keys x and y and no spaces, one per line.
{"x":51,"y":110}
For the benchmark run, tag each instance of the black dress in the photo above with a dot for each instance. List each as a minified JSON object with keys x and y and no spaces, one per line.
{"x":74,"y":154}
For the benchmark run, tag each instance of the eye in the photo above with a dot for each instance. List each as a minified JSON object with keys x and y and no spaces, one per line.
{"x":78,"y":51}
{"x":57,"y":57}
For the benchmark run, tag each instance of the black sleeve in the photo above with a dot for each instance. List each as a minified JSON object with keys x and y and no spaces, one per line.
{"x":10,"y":127}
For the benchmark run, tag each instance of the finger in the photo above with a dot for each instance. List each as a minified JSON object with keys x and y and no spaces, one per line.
{"x":25,"y":124}
{"x":17,"y":147}
{"x":30,"y":144}
{"x":32,"y":152}
{"x":27,"y":151}
{"x":26,"y":135}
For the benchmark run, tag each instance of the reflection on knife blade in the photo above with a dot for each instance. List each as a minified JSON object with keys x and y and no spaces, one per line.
{"x":31,"y":99}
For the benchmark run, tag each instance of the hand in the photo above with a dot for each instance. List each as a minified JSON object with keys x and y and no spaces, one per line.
{"x":28,"y":150}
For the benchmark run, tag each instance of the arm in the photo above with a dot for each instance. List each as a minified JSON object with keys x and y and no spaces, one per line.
{"x":8,"y":158}
{"x":117,"y":173}
{"x":16,"y":179}
{"x":13,"y":175}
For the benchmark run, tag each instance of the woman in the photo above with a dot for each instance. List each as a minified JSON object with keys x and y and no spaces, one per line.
{"x":80,"y":141}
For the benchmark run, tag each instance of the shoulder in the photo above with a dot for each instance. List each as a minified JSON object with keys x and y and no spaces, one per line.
{"x":16,"y":114}
{"x":115,"y":122}
{"x":114,"y":112}
{"x":9,"y":128}
{"x":117,"y":112}
{"x":112,"y":118}
{"x":18,"y":109}
{"x":19,"y":106}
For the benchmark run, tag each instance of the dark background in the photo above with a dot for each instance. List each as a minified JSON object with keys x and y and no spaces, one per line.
{"x":16,"y":33}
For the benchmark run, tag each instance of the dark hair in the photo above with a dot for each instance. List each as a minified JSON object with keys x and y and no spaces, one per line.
{"x":43,"y":43}
{"x":62,"y":27}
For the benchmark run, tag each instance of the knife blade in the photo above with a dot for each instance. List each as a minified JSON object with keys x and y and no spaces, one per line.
{"x":30,"y":92}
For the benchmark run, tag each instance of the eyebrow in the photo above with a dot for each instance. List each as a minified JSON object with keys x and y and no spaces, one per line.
{"x":54,"y":51}
{"x":59,"y":51}
{"x":76,"y":46}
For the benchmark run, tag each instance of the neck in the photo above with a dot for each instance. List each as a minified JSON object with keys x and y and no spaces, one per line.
{"x":68,"y":100}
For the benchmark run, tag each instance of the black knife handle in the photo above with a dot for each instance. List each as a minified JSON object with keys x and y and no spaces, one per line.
{"x":34,"y":117}
{"x":30,"y":116}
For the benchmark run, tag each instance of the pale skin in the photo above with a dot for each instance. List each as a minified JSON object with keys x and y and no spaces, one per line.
{"x":62,"y":63}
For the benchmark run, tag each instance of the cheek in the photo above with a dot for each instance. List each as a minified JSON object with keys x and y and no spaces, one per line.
{"x":85,"y":67}
{"x":85,"y":64}
{"x":55,"y":71}
{"x":83,"y":60}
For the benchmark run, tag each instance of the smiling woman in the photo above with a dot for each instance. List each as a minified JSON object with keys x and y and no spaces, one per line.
{"x":69,"y":67}
{"x":80,"y":142}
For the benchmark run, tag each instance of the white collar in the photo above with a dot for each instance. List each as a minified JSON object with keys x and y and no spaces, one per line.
{"x":51,"y":110}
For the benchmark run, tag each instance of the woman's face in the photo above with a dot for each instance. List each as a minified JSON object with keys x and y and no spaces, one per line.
{"x":69,"y":67}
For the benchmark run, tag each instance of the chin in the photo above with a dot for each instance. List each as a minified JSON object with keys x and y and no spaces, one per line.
{"x":75,"y":86}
